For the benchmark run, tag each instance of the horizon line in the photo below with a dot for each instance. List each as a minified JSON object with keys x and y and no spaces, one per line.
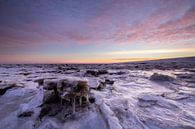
{"x":82,"y":63}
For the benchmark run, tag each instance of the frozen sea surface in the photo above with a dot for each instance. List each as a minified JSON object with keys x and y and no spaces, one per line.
{"x":130,"y":99}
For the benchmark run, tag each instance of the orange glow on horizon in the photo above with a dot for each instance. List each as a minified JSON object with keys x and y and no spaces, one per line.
{"x":59,"y":60}
{"x":107,"y":57}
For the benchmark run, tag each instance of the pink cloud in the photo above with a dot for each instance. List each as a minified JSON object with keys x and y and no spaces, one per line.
{"x":162,"y":25}
{"x":153,"y":29}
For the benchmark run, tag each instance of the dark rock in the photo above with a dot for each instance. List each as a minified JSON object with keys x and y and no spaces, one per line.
{"x":40,"y":81}
{"x":184,"y":76}
{"x":136,"y":66}
{"x":96,"y":73}
{"x":92,"y":72}
{"x":107,"y":81}
{"x":191,"y":70}
{"x":26,"y":114}
{"x":3,"y":89}
{"x":44,"y":111}
{"x":50,"y":97}
{"x":100,"y":72}
{"x":25,"y":74}
{"x":92,"y":99}
{"x":50,"y":85}
{"x":161,"y":77}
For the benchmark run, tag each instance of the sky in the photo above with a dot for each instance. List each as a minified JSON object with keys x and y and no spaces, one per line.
{"x":95,"y":31}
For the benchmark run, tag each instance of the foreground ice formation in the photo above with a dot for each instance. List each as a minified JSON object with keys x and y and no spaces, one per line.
{"x":64,"y":92}
{"x":142,"y":95}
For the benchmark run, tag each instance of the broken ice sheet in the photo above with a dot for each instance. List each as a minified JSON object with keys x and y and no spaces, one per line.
{"x":127,"y":98}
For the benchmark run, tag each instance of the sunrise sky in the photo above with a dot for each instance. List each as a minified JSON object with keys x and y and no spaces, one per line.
{"x":95,"y":31}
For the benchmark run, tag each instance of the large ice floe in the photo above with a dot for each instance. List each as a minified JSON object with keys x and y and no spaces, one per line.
{"x":142,"y":95}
